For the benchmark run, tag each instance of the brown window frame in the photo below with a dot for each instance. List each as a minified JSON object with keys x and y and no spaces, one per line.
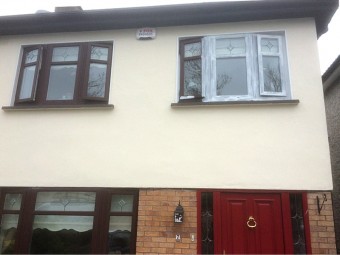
{"x":182,"y":44}
{"x":41,"y":76}
{"x":101,"y":215}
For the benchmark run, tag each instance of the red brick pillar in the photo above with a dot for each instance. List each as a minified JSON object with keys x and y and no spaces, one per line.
{"x":156,"y":230}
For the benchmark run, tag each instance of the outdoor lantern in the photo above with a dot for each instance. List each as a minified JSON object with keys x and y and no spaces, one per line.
{"x":179,"y":213}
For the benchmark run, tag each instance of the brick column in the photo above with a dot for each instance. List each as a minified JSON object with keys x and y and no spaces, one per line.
{"x":156,"y":230}
{"x":321,"y":226}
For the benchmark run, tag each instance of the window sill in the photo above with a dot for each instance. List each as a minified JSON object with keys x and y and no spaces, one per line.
{"x":57,"y":107}
{"x":231,"y":103}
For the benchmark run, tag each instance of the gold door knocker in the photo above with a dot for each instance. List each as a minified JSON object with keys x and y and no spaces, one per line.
{"x":251,"y":223}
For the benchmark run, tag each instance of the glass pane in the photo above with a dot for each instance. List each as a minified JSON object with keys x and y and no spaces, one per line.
{"x":207,"y":223}
{"x":61,"y":83}
{"x":122,"y":203}
{"x":192,"y":49}
{"x":120,"y":234}
{"x":31,"y":56}
{"x":9,"y":224}
{"x":62,"y":54}
{"x":97,"y":79}
{"x":231,"y":76}
{"x":65,"y":201}
{"x":272,"y":74}
{"x":56,"y":234}
{"x":230,"y":46}
{"x":27,"y":82}
{"x":99,"y":53}
{"x":298,"y":226}
{"x":12,"y":201}
{"x":192,"y":78}
{"x":270,"y":45}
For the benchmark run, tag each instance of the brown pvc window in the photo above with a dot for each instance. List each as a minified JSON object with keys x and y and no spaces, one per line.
{"x":65,"y":74}
{"x":191,"y":69}
{"x":68,"y":221}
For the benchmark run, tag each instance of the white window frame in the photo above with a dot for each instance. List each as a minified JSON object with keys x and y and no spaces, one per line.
{"x":260,"y":62}
{"x":254,"y":62}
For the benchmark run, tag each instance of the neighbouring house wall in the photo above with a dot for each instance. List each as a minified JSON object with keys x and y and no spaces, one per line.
{"x":332,"y":102}
{"x":156,"y":230}
{"x":321,"y":225}
{"x":143,"y":142}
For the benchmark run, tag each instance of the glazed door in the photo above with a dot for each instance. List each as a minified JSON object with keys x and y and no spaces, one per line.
{"x":251,"y":223}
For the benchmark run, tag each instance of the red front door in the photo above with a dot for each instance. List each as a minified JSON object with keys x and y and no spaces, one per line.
{"x":251,"y":223}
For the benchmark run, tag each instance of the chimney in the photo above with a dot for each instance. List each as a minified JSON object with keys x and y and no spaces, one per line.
{"x":68,"y":9}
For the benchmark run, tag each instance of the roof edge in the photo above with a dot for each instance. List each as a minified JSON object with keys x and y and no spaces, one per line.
{"x":170,"y":15}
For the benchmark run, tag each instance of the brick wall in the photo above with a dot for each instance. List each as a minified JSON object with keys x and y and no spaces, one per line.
{"x":321,"y":226}
{"x":156,"y":230}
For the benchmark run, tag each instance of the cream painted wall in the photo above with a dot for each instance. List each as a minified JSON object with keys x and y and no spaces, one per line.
{"x":143,"y":142}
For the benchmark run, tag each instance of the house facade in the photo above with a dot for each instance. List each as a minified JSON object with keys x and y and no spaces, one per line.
{"x":181,"y":129}
{"x":331,"y":86}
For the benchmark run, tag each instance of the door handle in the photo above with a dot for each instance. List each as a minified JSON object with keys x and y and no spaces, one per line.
{"x":251,"y":223}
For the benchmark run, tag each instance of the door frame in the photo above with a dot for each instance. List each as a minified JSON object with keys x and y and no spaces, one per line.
{"x":286,"y":218}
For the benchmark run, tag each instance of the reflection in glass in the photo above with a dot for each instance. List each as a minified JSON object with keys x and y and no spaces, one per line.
{"x":97,"y":79}
{"x":120,"y":234}
{"x":230,"y":46}
{"x":61,"y":82}
{"x":63,"y":54}
{"x":57,"y":234}
{"x":65,"y":201}
{"x":27,"y":82}
{"x":269,"y":45}
{"x":99,"y":53}
{"x":231,"y":76}
{"x":192,"y":49}
{"x":12,"y":201}
{"x":31,"y":56}
{"x":9,"y":224}
{"x":272,"y":74}
{"x":122,"y":203}
{"x":192,"y":78}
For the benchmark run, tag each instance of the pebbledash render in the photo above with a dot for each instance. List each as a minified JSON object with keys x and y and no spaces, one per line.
{"x":180,"y":129}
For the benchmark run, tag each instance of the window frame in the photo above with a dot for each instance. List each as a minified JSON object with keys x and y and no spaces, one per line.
{"x":23,"y":65}
{"x":255,"y":83}
{"x":81,"y":77}
{"x":182,"y":44}
{"x":101,"y":215}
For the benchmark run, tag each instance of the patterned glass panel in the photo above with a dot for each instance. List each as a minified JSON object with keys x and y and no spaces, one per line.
{"x":120,"y":234}
{"x":61,"y":83}
{"x":8,"y":230}
{"x":122,"y":203}
{"x":269,"y":45}
{"x":64,"y":54}
{"x":97,"y":79}
{"x":231,"y":76}
{"x":65,"y":201}
{"x":13,"y":202}
{"x":272,"y":74}
{"x":207,"y":223}
{"x":192,"y":49}
{"x":99,"y":53}
{"x":53,"y":234}
{"x":27,"y":82}
{"x":298,"y":226}
{"x":231,"y":46}
{"x":192,"y":78}
{"x":31,"y":56}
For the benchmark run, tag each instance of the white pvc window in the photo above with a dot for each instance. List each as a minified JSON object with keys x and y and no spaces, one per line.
{"x":242,"y":67}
